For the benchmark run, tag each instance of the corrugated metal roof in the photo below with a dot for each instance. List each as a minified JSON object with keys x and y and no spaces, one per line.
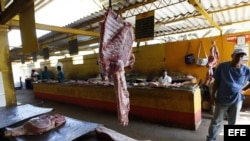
{"x":168,"y":13}
{"x":174,"y":19}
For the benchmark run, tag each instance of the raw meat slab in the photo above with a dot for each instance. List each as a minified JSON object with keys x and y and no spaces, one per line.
{"x":71,"y":130}
{"x":12,"y":115}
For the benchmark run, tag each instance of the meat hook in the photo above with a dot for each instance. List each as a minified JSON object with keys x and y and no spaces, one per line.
{"x":110,"y":4}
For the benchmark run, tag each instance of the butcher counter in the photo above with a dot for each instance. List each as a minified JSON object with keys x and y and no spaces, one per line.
{"x":170,"y":106}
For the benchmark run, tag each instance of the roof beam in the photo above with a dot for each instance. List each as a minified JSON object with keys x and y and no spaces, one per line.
{"x":2,"y":4}
{"x":136,"y":5}
{"x":14,"y":9}
{"x":84,"y":43}
{"x":209,"y":27}
{"x":59,"y":29}
{"x":199,"y":8}
{"x":211,"y":12}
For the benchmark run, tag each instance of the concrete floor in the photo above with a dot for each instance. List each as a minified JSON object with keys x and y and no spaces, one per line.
{"x":138,"y":129}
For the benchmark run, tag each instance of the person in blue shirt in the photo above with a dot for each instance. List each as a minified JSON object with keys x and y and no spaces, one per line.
{"x":231,"y":79}
{"x":45,"y":74}
{"x":60,"y":74}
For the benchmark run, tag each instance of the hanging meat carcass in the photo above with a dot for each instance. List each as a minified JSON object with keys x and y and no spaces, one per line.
{"x":212,"y":62}
{"x":37,"y":125}
{"x":115,"y":53}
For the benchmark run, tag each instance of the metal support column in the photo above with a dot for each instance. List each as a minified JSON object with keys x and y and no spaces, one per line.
{"x":6,"y":69}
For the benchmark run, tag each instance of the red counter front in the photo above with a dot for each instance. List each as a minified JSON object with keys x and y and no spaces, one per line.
{"x":180,"y":108}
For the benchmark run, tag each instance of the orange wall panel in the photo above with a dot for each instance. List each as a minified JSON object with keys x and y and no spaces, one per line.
{"x":151,"y":59}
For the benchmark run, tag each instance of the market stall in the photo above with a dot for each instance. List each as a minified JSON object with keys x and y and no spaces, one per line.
{"x":180,"y":107}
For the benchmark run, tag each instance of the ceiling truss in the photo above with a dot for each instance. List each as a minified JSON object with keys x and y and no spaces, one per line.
{"x":126,"y":12}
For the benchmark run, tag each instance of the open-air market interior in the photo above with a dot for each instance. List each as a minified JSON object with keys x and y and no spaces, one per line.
{"x":95,"y":67}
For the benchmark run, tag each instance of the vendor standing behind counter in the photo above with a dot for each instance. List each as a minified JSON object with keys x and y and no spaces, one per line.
{"x":163,"y":81}
{"x":164,"y":78}
{"x":60,"y":74}
{"x":45,"y":75}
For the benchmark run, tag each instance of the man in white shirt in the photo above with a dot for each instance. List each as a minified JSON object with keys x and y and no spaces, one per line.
{"x":34,"y":75}
{"x":165,"y":79}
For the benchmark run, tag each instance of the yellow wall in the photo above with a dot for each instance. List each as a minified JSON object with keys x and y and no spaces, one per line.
{"x":151,"y":59}
{"x":176,"y":51}
{"x":80,"y":71}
